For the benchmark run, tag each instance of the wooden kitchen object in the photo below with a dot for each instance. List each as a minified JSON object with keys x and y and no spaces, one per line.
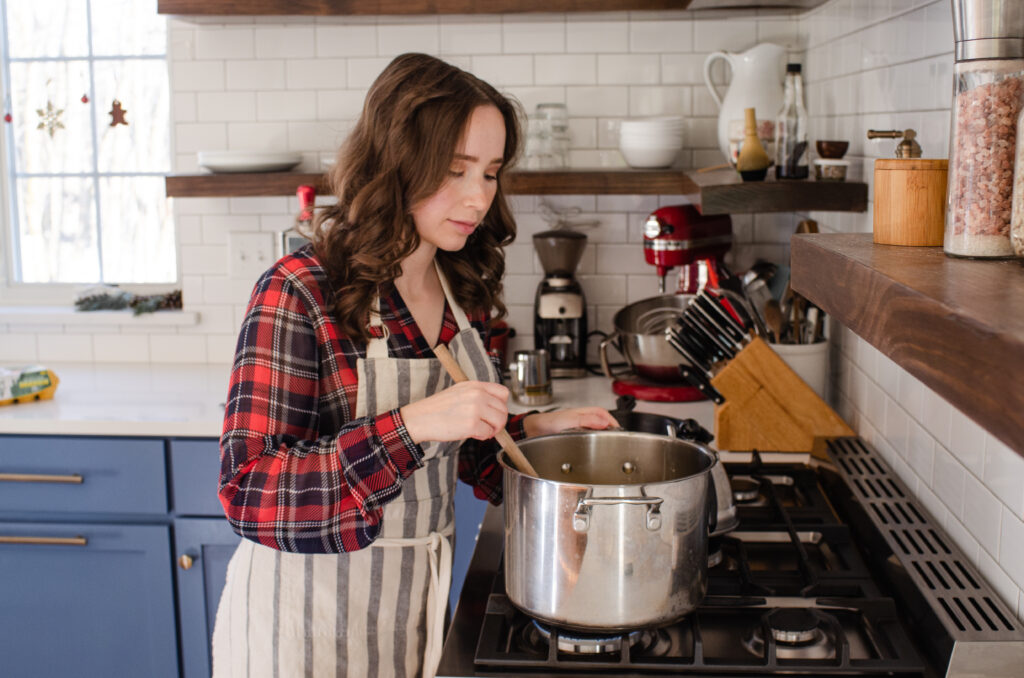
{"x":769,"y":408}
{"x":910,"y":201}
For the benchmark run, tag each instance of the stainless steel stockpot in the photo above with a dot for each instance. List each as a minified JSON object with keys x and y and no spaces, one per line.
{"x":640,"y":337}
{"x":613,"y":534}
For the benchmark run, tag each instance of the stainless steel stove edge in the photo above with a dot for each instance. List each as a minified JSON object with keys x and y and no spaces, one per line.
{"x":986,"y":637}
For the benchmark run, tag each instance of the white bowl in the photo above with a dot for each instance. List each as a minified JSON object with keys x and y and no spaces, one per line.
{"x":664,"y":138}
{"x":248,"y":161}
{"x":649,"y":158}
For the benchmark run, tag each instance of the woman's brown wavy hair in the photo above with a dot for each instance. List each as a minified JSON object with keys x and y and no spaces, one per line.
{"x":398,"y":154}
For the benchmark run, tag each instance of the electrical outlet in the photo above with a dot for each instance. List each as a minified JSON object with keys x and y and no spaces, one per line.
{"x":250,"y":254}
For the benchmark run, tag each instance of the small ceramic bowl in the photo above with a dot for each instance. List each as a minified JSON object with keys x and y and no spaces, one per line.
{"x":832,"y":149}
{"x":828,"y":169}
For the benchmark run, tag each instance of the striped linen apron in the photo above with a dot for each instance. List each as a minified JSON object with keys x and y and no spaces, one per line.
{"x":374,"y":612}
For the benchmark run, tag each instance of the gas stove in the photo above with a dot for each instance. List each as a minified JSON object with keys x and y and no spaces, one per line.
{"x":834,"y":569}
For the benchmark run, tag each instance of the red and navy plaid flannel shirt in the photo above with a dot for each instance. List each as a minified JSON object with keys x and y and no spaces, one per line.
{"x":299,"y":472}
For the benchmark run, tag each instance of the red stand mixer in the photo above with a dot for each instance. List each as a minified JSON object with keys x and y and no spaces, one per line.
{"x":674,"y":236}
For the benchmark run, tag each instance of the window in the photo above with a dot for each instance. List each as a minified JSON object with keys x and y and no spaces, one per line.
{"x":86,"y":142}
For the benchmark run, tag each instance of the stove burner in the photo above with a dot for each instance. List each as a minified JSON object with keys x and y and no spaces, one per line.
{"x":575,"y":642}
{"x":716,"y":556}
{"x":745,"y":490}
{"x":793,"y":625}
{"x":797,"y":634}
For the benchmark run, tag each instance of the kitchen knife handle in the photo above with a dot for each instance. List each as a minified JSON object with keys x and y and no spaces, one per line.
{"x":504,"y":439}
{"x":703,"y":384}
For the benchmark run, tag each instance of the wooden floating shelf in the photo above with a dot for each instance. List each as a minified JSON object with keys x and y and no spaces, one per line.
{"x":955,"y":324}
{"x":371,"y":7}
{"x":717,"y":192}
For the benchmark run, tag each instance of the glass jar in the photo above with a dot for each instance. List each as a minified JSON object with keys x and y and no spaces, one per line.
{"x":988,"y":99}
{"x":1017,"y":211}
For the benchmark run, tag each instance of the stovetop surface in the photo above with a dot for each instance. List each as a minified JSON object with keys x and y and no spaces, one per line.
{"x":789,"y":591}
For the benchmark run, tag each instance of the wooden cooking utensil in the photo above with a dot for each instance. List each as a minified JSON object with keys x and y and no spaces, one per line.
{"x":504,"y":439}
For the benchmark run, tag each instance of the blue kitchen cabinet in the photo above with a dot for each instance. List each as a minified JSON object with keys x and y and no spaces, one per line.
{"x":86,"y":583}
{"x":203,"y":547}
{"x":86,"y":599}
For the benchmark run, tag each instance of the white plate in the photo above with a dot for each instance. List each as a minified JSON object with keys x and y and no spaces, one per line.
{"x":247,"y":161}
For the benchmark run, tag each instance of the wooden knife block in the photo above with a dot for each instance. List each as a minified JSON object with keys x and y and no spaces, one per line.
{"x":769,"y":408}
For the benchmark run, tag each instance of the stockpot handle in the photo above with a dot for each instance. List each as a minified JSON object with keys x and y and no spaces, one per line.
{"x":712,"y":502}
{"x":603,"y":351}
{"x":581,"y":517}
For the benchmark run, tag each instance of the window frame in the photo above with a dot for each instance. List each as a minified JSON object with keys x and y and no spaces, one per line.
{"x":14,"y":292}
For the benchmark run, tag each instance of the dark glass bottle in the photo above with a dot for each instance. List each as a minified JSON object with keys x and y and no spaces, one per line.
{"x":791,"y":129}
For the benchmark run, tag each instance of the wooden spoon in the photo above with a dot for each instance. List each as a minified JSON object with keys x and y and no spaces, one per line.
{"x":774,"y":319}
{"x":519,"y":459}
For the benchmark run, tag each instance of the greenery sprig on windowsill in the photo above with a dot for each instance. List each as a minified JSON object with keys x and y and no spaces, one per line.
{"x":109,"y":298}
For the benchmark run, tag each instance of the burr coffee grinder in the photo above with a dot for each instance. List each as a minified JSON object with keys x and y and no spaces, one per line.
{"x":679,"y":235}
{"x":560,"y":309}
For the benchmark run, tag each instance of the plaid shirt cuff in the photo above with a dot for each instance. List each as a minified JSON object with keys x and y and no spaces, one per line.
{"x":516,"y":426}
{"x":406,"y":455}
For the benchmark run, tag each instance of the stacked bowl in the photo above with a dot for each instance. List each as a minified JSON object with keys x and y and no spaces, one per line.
{"x":651,"y":142}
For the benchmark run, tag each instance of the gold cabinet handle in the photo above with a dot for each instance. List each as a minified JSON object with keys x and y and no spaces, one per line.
{"x":40,"y":478}
{"x":185,"y":562}
{"x":46,"y":541}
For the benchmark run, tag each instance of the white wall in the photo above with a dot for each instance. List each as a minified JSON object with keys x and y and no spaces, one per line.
{"x":888,"y":65}
{"x":298,"y":83}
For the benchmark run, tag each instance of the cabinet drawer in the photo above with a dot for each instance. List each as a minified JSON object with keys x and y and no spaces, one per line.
{"x":82,"y":474}
{"x":86,"y":599}
{"x":195,"y":475}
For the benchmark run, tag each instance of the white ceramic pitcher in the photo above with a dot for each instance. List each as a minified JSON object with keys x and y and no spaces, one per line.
{"x":757,"y":77}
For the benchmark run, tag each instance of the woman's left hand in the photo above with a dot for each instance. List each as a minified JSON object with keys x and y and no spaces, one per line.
{"x":560,"y":420}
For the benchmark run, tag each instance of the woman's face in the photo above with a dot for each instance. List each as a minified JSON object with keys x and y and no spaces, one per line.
{"x":447,"y":218}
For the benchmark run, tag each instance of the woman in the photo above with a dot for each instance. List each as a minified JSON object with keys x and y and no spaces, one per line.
{"x":343,"y":435}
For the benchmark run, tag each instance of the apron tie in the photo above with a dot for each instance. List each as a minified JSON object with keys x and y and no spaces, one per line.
{"x":439,"y":555}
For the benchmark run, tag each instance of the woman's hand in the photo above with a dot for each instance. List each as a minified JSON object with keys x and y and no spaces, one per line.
{"x":469,"y":409}
{"x":560,"y":420}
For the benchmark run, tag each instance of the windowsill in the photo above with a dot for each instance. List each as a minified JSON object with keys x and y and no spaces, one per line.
{"x":64,"y":315}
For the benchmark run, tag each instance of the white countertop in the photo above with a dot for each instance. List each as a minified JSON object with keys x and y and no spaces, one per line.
{"x":170,"y":400}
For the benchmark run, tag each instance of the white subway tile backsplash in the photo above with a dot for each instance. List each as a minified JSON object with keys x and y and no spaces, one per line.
{"x":286,"y":105}
{"x":948,"y":480}
{"x":285,"y":42}
{"x":982,"y":514}
{"x":258,"y":136}
{"x":358,"y":40}
{"x":226,"y":106}
{"x":527,"y":37}
{"x":220,"y":348}
{"x":628,"y":69}
{"x":177,"y":348}
{"x":255,"y":74}
{"x":198,"y":76}
{"x":653,"y":100}
{"x":52,"y":347}
{"x":118,"y":348}
{"x":594,"y":36}
{"x":16,"y":348}
{"x":564,"y":69}
{"x":936,"y":416}
{"x":228,"y":42}
{"x":664,"y":37}
{"x":682,"y":69}
{"x":1011,"y":546}
{"x":967,"y":442}
{"x":621,"y":259}
{"x":472,"y":38}
{"x":415,"y":37}
{"x":735,"y":35}
{"x":204,"y":260}
{"x":505,"y":70}
{"x":342,"y":104}
{"x":1004,"y":474}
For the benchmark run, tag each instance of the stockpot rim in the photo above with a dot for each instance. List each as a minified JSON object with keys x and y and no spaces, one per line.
{"x":710,"y":451}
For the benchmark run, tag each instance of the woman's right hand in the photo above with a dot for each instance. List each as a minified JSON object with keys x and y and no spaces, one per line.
{"x":469,"y":409}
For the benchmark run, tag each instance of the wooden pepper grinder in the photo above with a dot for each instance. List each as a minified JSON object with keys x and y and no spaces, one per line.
{"x":910,"y":194}
{"x":753,"y":161}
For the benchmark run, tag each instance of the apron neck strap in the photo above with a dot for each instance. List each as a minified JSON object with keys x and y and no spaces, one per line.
{"x":378,"y":346}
